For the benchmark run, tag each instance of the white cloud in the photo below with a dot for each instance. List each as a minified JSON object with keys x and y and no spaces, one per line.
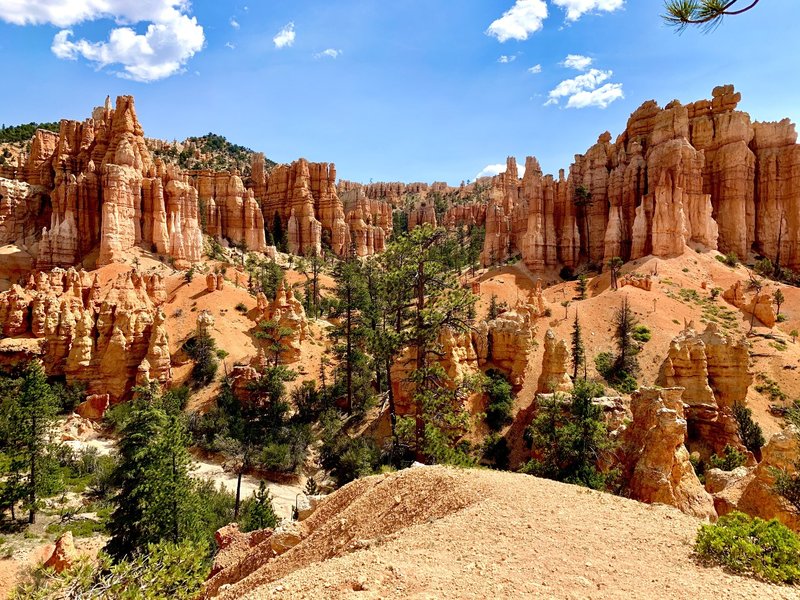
{"x":285,"y":37}
{"x":575,"y":9}
{"x":234,"y":23}
{"x":535,"y":69}
{"x":588,"y":81}
{"x":230,"y":45}
{"x":492,"y":170}
{"x":521,"y":20}
{"x":507,"y":59}
{"x":172,"y":37}
{"x":584,"y":90}
{"x":601,"y":97}
{"x":577,"y":62}
{"x":329,"y":53}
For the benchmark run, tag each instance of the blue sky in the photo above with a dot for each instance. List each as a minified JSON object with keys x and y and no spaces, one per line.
{"x":410,"y":90}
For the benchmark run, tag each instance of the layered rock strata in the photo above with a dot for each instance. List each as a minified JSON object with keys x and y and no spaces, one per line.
{"x":713,"y":370}
{"x":290,"y":324}
{"x":109,"y":340}
{"x":656,"y":462}
{"x":701,"y":173}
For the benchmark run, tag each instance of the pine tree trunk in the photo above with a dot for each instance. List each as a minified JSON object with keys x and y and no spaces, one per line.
{"x":238,"y":494}
{"x":349,"y":350}
{"x":32,"y":483}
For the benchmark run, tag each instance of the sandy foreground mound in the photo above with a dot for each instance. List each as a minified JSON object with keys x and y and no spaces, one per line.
{"x":436,"y":532}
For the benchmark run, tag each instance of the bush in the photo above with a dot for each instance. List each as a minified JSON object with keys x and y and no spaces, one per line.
{"x":765,"y":549}
{"x":781,"y":318}
{"x":749,"y":431}
{"x":258,"y":511}
{"x":165,"y":570}
{"x":730,"y":460}
{"x":203,"y":351}
{"x":641,"y":334}
{"x":620,"y":380}
{"x":501,"y":401}
{"x":764,"y":267}
{"x":496,"y":451}
{"x":241,"y":307}
{"x":729,"y":259}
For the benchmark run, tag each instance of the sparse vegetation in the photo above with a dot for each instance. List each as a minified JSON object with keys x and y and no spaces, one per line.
{"x":729,"y":259}
{"x":731,"y":459}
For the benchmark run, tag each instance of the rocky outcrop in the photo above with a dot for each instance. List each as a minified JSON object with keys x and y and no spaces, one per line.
{"x":713,"y":370}
{"x":368,"y":221}
{"x":94,"y":407}
{"x":100,"y":338}
{"x":555,"y":366}
{"x":656,"y":462}
{"x":215,"y":282}
{"x":288,"y":314}
{"x":64,"y":556}
{"x":700,"y":173}
{"x":760,"y":305}
{"x":504,"y":343}
{"x":752,"y":491}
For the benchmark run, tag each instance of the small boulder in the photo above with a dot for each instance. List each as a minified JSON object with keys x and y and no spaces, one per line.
{"x":286,"y":536}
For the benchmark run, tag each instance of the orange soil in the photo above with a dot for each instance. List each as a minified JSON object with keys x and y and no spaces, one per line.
{"x":444,"y":533}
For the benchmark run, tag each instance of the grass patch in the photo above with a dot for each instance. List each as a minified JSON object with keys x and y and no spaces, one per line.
{"x":79,"y":528}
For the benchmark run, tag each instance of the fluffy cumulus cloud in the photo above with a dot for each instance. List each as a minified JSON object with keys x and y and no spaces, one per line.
{"x":521,"y":20}
{"x":507,"y":59}
{"x":535,"y":69}
{"x":234,"y":23}
{"x":577,"y":62}
{"x":587,"y":89}
{"x":575,"y":9}
{"x":492,"y":170}
{"x":601,"y":97}
{"x":172,"y":36}
{"x":329,"y":53}
{"x":285,"y":37}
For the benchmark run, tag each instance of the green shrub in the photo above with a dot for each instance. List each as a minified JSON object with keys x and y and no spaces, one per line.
{"x":165,"y":570}
{"x":501,"y":401}
{"x":729,"y":259}
{"x":241,"y":307}
{"x":766,"y":549}
{"x":749,"y":431}
{"x":203,"y":351}
{"x":730,"y":460}
{"x":641,"y":334}
{"x":781,"y":318}
{"x":620,"y":380}
{"x":258,"y":511}
{"x":496,"y":451}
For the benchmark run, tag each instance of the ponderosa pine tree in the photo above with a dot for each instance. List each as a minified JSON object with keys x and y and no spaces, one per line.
{"x":33,"y":410}
{"x":433,"y":301}
{"x":258,"y":512}
{"x":707,"y":14}
{"x":570,"y":439}
{"x":351,"y":301}
{"x":578,"y":349}
{"x":155,"y":499}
